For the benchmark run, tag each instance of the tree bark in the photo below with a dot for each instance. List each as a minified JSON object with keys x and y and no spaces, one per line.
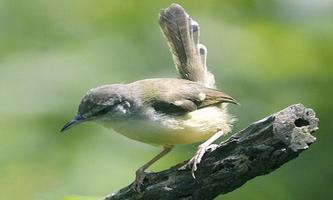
{"x":257,"y":150}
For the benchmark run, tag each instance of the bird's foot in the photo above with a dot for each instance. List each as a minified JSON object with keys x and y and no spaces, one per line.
{"x":195,"y":160}
{"x":138,"y":183}
{"x":212,"y":147}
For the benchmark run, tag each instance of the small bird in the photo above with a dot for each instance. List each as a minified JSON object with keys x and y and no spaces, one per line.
{"x":165,"y":111}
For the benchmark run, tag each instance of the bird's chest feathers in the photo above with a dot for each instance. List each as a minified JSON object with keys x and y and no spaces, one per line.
{"x":159,"y":129}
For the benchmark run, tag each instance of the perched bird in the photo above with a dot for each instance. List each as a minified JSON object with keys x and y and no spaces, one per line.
{"x":165,"y":111}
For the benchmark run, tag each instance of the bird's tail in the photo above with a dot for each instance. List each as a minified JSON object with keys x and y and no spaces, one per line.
{"x":182,"y":34}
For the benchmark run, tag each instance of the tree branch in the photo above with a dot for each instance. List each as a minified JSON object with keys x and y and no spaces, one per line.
{"x":257,"y":150}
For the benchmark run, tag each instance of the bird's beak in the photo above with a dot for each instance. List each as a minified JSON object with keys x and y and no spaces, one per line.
{"x":77,"y":119}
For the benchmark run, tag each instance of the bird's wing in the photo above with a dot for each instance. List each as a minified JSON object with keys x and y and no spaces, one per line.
{"x":182,"y":35}
{"x":189,"y":97}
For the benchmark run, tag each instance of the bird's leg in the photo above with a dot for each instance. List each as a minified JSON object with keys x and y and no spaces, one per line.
{"x":196,"y":159}
{"x":140,"y":173}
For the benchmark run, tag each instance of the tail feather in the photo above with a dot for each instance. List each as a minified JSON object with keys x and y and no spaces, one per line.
{"x":182,"y":34}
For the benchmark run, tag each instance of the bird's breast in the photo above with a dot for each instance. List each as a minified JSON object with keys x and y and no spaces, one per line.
{"x":192,"y":127}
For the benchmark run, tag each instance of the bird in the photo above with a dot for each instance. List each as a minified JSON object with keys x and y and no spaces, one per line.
{"x":165,"y":111}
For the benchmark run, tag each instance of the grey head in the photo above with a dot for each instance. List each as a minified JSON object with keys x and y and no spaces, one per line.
{"x":106,"y":102}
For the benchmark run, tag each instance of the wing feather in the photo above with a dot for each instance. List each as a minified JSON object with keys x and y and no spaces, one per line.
{"x":184,"y":96}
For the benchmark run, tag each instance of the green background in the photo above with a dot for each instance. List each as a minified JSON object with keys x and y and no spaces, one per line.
{"x":266,"y":54}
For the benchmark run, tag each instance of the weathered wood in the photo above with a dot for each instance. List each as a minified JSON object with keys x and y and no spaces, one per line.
{"x":257,"y":150}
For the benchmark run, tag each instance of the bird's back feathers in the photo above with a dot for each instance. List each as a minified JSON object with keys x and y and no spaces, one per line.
{"x":178,"y":96}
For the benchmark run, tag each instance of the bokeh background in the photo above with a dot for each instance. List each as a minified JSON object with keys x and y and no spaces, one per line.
{"x":267,"y":54}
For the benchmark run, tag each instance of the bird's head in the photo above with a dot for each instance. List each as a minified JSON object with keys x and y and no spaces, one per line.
{"x":101,"y":104}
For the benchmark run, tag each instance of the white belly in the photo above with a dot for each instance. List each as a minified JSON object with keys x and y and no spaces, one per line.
{"x":193,"y":127}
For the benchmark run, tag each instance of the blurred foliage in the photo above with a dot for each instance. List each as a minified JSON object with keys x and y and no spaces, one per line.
{"x":267,"y":54}
{"x":79,"y":198}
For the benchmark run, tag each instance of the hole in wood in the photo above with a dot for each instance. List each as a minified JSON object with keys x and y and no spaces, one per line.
{"x":301,"y":122}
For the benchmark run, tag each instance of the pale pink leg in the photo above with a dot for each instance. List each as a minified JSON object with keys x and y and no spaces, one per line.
{"x":196,"y":159}
{"x":140,"y":173}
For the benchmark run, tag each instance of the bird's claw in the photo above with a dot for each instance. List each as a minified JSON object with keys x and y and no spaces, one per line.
{"x":138,"y":183}
{"x":195,"y":160}
{"x":212,"y":147}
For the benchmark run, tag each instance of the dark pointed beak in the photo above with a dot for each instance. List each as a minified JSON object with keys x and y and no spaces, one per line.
{"x":77,"y":119}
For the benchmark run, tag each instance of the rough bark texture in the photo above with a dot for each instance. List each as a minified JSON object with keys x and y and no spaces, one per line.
{"x":257,"y":150}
